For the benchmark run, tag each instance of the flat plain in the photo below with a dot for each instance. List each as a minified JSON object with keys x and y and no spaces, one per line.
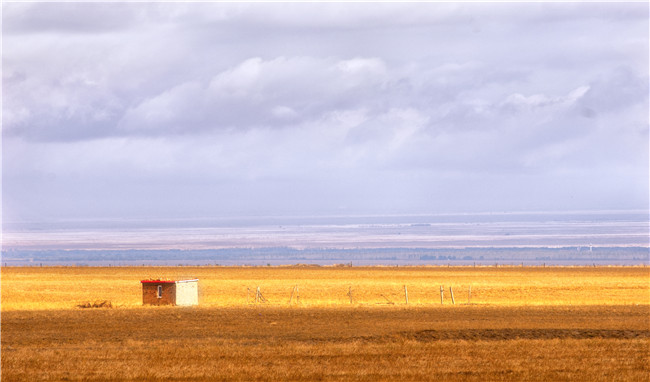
{"x":341,"y":323}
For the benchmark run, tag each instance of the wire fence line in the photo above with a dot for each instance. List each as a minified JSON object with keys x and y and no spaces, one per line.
{"x":296,"y":295}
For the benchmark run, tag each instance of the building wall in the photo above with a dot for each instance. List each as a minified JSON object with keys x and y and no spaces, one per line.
{"x":150,"y":294}
{"x":187,"y":293}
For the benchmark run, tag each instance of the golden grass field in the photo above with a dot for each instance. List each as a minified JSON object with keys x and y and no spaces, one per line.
{"x":572,"y":323}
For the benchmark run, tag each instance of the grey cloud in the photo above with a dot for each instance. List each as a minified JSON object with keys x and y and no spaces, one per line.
{"x":68,"y":109}
{"x":305,"y":87}
{"x":202,"y":108}
{"x":629,"y":87}
{"x":394,"y":15}
{"x":68,"y":17}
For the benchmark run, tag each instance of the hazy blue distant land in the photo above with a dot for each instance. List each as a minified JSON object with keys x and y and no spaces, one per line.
{"x":358,"y":257}
{"x":585,"y":238}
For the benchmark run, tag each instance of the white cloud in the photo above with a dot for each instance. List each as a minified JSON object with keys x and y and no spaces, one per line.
{"x":239,"y":81}
{"x":173,"y":110}
{"x":284,"y":112}
{"x":541,"y":100}
{"x":372,"y":66}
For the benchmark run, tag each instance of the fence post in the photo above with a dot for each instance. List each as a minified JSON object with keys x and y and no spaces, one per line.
{"x":406,"y":295}
{"x":451,"y":291}
{"x":442,"y":291}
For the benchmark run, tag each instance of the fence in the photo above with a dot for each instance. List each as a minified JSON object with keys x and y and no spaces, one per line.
{"x":357,"y":295}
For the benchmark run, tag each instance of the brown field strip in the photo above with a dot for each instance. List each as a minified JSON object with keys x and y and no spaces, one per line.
{"x":541,"y":324}
{"x":272,"y":343}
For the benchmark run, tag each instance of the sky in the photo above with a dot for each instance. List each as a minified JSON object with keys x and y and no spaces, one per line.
{"x":202,"y":110}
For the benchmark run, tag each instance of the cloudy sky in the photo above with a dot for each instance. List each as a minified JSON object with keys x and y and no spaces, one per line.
{"x":188,"y":110}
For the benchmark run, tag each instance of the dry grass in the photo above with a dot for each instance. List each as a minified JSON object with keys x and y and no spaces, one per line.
{"x":65,"y":287}
{"x":587,"y":324}
{"x":274,"y":343}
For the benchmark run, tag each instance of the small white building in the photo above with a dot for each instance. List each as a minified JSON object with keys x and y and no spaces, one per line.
{"x":170,"y":292}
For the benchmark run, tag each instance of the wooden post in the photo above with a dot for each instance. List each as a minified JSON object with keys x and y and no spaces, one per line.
{"x":292,"y":292}
{"x":451,"y":291}
{"x":257,"y":295}
{"x":442,"y":291}
{"x":297,"y":295}
{"x":406,"y":295}
{"x":469,"y":295}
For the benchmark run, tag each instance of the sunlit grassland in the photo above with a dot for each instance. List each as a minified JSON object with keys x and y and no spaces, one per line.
{"x":28,"y":288}
{"x":539,"y":324}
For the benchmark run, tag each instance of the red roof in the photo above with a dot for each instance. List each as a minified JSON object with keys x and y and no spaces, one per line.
{"x":166,"y":281}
